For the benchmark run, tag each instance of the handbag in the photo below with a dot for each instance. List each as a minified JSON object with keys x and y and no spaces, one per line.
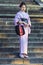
{"x":19,"y":30}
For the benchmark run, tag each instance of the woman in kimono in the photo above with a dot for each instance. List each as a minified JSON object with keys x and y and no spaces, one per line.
{"x":22,"y":14}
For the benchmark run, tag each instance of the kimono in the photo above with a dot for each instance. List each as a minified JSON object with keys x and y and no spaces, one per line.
{"x":23,"y":39}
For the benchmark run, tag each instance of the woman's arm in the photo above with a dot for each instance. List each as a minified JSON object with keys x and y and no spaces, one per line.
{"x":22,"y":22}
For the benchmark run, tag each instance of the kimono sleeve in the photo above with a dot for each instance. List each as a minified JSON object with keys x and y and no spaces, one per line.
{"x":16,"y":19}
{"x":29,"y":21}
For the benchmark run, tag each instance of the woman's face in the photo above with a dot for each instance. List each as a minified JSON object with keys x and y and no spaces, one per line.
{"x":23,"y":8}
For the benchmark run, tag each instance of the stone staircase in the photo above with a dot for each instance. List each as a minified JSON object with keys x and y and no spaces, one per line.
{"x":9,"y":40}
{"x":9,"y":43}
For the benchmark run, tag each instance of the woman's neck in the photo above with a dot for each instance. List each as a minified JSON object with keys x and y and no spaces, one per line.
{"x":22,"y":11}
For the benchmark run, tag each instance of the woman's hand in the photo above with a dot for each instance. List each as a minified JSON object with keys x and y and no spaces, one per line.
{"x":25,"y":24}
{"x":19,"y":22}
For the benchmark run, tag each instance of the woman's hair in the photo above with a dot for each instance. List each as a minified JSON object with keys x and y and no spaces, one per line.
{"x":22,"y":3}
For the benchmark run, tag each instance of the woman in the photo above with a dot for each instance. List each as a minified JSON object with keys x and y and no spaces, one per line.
{"x":22,"y":14}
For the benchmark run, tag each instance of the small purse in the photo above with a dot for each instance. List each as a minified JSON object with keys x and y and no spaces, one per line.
{"x":19,"y":30}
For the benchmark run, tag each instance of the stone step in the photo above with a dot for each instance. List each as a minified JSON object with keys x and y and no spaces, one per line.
{"x":12,"y":27}
{"x":8,"y":10}
{"x":19,"y":46}
{"x":11,"y":23}
{"x":40,"y":31}
{"x":8,"y":54}
{"x":9,"y":36}
{"x":16,"y":50}
{"x":31,"y":15}
{"x":24,"y":64}
{"x":15,"y":2}
{"x":10,"y":20}
{"x":14,"y":35}
{"x":34,"y":53}
{"x":29,"y":58}
{"x":5,"y":1}
{"x":31,"y":43}
{"x":6,"y":24}
{"x":15,"y":55}
{"x":13,"y":31}
{"x":32,"y":60}
{"x":13,"y":42}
